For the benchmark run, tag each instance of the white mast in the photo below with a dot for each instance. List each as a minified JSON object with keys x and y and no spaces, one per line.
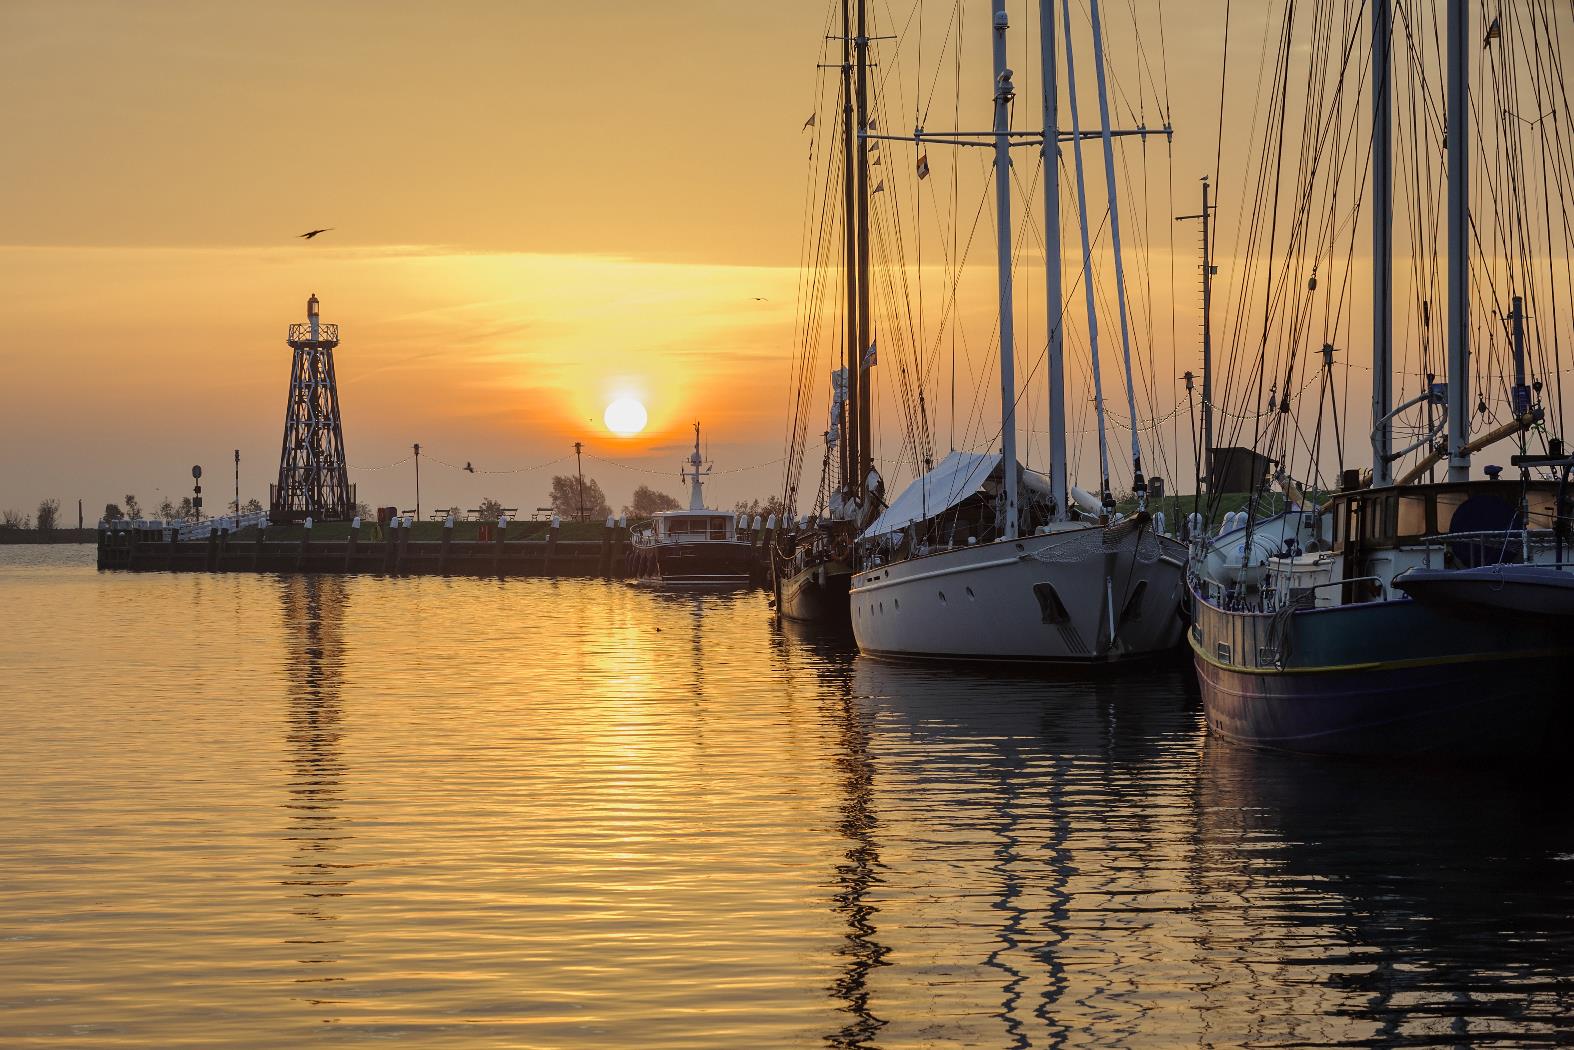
{"x":694,"y":476}
{"x":1087,"y":261}
{"x":1458,"y":232}
{"x":1008,"y":419}
{"x":1382,"y":245}
{"x":1052,"y":293}
{"x":1137,"y":484}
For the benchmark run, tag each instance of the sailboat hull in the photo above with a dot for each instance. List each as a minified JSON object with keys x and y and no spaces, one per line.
{"x":1039,"y":599}
{"x":818,"y":594}
{"x":1381,"y":678}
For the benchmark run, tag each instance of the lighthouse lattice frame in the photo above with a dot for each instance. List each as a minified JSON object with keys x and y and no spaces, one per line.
{"x":314,"y":481}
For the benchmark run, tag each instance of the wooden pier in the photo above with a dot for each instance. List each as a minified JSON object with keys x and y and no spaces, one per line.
{"x":427,"y":549}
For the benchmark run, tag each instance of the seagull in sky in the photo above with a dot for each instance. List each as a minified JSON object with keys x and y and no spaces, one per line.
{"x":761,"y":299}
{"x":469,"y":467}
{"x":309,"y":234}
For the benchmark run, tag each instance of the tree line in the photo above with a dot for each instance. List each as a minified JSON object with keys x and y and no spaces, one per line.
{"x":572,"y":499}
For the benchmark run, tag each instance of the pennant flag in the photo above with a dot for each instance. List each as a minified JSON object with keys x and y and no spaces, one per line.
{"x":923,"y":166}
{"x":1494,"y":31}
{"x":878,"y":187}
{"x":876,"y":163}
{"x":808,"y":123}
{"x":874,"y":146}
{"x":868,"y":359}
{"x":872,"y":123}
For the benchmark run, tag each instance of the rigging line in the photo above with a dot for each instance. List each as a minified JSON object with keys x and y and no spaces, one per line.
{"x":808,"y":333}
{"x":625,"y":465}
{"x":469,"y":470}
{"x":384,"y":466}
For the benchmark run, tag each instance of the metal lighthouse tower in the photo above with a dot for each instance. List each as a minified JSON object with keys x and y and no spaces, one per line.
{"x":314,"y":481}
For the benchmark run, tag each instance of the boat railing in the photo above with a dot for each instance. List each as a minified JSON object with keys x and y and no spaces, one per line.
{"x":1525,"y":540}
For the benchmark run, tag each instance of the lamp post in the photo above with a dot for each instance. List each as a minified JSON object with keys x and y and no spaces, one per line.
{"x":580,"y":471}
{"x":417,"y":481}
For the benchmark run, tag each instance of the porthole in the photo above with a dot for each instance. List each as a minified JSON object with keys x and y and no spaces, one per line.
{"x":970,"y":595}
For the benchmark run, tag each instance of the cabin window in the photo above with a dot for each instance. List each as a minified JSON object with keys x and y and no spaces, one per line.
{"x":1379,"y":512}
{"x":1412,"y":515}
{"x":1051,"y":608}
{"x":1223,"y":652}
{"x":1543,"y":507}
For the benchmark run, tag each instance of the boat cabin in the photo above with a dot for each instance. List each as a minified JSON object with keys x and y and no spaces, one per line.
{"x":686,"y":526}
{"x":1385,"y":518}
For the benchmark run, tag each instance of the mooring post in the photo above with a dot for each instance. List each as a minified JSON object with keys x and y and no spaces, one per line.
{"x":211,"y":555}
{"x":549,"y":567}
{"x":306,"y":542}
{"x":604,"y":568}
{"x":391,"y":544}
{"x":497,"y":544}
{"x":407,"y":525}
{"x":256,"y":550}
{"x":448,"y":539}
{"x":352,"y":543}
{"x":620,"y":555}
{"x":174,"y":545}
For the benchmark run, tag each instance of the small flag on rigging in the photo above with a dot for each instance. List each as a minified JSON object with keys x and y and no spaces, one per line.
{"x":879,"y":186}
{"x":872,"y":124}
{"x":1494,"y":31}
{"x":923,"y":165}
{"x":876,"y":163}
{"x":808,"y":123}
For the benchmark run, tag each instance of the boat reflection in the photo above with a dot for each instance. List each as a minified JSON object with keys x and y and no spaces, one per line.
{"x":1406,"y":903}
{"x":987,"y":785}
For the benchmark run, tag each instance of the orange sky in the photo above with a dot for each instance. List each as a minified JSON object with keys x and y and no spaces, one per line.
{"x":537,"y":207}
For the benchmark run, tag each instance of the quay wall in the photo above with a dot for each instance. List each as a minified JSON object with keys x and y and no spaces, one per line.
{"x":508,"y":551}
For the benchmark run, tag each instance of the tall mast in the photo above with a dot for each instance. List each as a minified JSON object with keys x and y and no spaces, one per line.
{"x":1004,"y":92}
{"x":1458,"y":232}
{"x":850,"y":243}
{"x":1087,"y":262}
{"x":1052,"y":293}
{"x":1383,"y":244}
{"x":865,"y":326}
{"x":1137,"y":484}
{"x":1207,"y":329}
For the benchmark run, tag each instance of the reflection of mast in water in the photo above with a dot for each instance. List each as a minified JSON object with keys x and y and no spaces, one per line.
{"x":856,"y":876}
{"x":313,"y":616}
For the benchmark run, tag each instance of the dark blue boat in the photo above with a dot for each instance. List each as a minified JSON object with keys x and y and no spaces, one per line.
{"x":1393,"y":677}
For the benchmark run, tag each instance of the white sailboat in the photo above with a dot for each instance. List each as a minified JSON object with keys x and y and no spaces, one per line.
{"x":960,"y":566}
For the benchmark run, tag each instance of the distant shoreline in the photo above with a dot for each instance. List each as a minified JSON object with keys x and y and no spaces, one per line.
{"x":52,"y":536}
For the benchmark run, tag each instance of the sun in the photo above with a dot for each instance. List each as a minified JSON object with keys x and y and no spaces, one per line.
{"x":625,"y":417}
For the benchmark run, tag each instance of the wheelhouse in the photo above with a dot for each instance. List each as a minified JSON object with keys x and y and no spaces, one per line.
{"x":695,"y":526}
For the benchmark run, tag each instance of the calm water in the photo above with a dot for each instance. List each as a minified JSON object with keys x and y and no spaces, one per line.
{"x":245,"y":811}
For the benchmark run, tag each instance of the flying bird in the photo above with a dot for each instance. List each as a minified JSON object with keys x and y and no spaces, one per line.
{"x":761,"y":299}
{"x":469,"y":467}
{"x":309,"y":234}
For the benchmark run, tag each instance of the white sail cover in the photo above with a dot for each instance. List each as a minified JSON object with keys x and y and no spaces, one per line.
{"x":954,"y":479}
